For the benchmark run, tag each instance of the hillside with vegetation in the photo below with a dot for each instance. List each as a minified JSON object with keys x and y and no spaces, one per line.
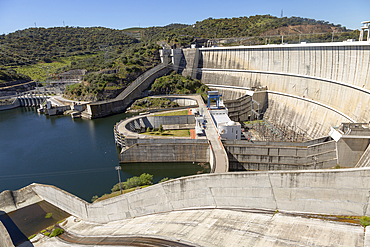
{"x":255,"y":27}
{"x":114,"y":58}
{"x":32,"y":45}
{"x":178,"y":84}
{"x":7,"y":75}
{"x":113,"y":76}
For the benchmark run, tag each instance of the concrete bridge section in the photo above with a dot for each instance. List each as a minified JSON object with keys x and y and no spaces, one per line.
{"x":335,"y":75}
{"x":132,"y":92}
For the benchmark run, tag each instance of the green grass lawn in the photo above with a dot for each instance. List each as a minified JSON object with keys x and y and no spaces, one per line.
{"x":175,"y":133}
{"x":176,"y":113}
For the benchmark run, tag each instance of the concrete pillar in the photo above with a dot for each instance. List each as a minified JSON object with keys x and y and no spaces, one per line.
{"x":361,"y":38}
{"x":165,"y":56}
{"x":364,"y":28}
{"x":176,"y":55}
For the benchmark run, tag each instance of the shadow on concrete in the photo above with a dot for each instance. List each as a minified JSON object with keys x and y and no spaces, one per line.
{"x":16,"y":235}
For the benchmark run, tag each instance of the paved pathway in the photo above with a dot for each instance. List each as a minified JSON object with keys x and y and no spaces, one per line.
{"x":221,"y":159}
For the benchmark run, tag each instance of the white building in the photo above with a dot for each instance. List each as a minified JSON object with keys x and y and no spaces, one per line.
{"x":226,"y":128}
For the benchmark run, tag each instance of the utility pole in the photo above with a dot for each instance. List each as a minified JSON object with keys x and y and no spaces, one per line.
{"x":118,"y":168}
{"x":105,"y":48}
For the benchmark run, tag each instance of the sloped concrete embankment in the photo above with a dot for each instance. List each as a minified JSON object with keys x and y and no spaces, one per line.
{"x":5,"y":239}
{"x":12,"y":200}
{"x":336,"y":192}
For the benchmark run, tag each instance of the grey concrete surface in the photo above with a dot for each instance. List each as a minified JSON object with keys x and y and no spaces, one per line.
{"x":245,"y":155}
{"x":310,"y":191}
{"x":222,"y":227}
{"x":5,"y":240}
{"x":13,"y":200}
{"x":332,"y":74}
{"x":162,"y":150}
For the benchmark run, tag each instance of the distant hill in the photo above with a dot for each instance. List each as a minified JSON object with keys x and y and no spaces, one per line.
{"x":31,"y":45}
{"x":253,"y":26}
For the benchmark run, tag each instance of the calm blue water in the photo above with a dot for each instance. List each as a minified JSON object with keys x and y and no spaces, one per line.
{"x":78,"y":156}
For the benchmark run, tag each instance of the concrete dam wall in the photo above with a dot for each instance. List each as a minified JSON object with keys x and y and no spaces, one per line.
{"x":312,"y":85}
{"x":336,"y":192}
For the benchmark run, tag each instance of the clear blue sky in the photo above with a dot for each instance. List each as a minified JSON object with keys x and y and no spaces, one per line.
{"x":22,"y":14}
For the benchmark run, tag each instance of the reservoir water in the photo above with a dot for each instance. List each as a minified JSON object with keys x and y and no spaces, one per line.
{"x":78,"y":156}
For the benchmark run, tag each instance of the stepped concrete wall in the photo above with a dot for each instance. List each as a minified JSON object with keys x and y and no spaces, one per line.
{"x":264,"y":156}
{"x":336,"y":75}
{"x":336,"y":192}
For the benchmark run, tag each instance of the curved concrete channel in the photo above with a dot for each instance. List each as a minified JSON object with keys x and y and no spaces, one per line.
{"x":220,"y":163}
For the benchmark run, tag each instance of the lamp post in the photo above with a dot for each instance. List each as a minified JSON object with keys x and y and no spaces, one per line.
{"x":118,"y":168}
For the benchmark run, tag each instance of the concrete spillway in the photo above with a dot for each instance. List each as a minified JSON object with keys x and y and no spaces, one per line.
{"x":328,"y":192}
{"x":306,"y":82}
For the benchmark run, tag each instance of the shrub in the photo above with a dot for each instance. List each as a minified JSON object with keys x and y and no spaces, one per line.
{"x":164,"y":180}
{"x":160,"y":128}
{"x":144,"y":179}
{"x":365,"y":221}
{"x":48,"y":215}
{"x":56,"y":232}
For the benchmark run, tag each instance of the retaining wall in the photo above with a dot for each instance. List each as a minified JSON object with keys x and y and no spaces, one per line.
{"x":164,"y":150}
{"x":318,"y":191}
{"x":259,"y":156}
{"x":155,"y":121}
{"x":15,"y":104}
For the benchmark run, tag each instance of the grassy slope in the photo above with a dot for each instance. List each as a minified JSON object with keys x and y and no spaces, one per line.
{"x":38,"y":71}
